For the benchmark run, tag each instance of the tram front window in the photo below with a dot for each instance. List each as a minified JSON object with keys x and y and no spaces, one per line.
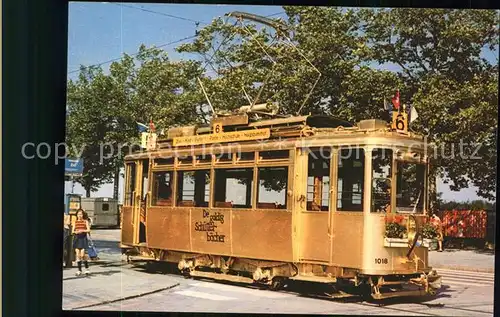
{"x":318,"y":181}
{"x":410,"y":187}
{"x":351,"y":174}
{"x":381,"y":180}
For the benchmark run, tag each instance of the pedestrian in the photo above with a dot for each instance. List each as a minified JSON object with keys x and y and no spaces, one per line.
{"x":67,"y":222}
{"x":80,"y":230}
{"x":438,"y":224}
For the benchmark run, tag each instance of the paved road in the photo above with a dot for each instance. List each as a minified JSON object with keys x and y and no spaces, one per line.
{"x":115,"y":285}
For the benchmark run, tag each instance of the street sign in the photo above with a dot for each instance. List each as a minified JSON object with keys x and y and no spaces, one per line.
{"x":73,"y":167}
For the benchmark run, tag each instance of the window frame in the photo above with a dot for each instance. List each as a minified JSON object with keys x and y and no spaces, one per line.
{"x":287,"y":187}
{"x":130,"y":183}
{"x":335,"y":166}
{"x":331,"y":175}
{"x":225,"y":168}
{"x":178,"y":192}
{"x":391,"y":178}
{"x":173,"y":187}
{"x":425,"y":165}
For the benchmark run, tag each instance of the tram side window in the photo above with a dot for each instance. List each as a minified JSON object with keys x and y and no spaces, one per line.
{"x":129,"y":197}
{"x":233,"y":188}
{"x":381,"y":180}
{"x":193,"y":188}
{"x":273,"y":184}
{"x":318,"y":181}
{"x":162,"y":188}
{"x":274,"y":155}
{"x":145,"y":180}
{"x":351,"y":175}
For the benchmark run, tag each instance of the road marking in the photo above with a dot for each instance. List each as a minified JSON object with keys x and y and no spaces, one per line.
{"x":241,"y":289}
{"x":465,"y":273}
{"x":204,"y":295}
{"x":447,"y":282}
{"x":468,"y":278}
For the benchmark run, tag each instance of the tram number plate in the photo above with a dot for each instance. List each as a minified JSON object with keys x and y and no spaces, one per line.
{"x":381,"y":261}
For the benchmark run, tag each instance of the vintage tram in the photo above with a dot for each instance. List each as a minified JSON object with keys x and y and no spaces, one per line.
{"x":309,"y":198}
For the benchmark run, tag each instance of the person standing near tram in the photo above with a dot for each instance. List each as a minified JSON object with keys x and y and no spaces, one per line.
{"x":438,"y":224}
{"x":81,"y":229}
{"x":67,"y":223}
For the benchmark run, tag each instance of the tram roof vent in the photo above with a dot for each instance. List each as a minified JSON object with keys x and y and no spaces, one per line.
{"x":372,"y":124}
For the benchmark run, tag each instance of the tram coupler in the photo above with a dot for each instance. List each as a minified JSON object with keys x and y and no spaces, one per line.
{"x":426,"y":284}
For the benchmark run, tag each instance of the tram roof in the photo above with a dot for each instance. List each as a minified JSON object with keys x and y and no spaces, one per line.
{"x":240,"y":128}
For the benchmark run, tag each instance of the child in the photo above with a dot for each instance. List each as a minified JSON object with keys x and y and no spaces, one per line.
{"x":81,"y":229}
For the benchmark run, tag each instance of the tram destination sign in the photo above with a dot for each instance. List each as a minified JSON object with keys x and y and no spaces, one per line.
{"x":247,"y":135}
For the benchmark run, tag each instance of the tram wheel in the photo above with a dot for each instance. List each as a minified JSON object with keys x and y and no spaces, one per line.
{"x":277,"y":283}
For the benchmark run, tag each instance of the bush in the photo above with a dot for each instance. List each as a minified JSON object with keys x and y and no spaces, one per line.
{"x":429,"y":231}
{"x":395,"y":230}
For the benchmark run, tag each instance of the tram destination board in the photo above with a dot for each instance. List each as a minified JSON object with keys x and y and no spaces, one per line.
{"x":247,"y":135}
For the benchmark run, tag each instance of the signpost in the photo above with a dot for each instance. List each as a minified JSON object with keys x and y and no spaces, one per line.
{"x":72,"y":168}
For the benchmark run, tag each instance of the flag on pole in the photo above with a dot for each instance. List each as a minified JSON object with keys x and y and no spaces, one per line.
{"x":395,"y":100}
{"x":142,"y":127}
{"x":413,"y":114}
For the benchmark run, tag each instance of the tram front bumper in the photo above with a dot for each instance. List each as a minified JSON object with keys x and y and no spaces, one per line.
{"x":426,"y":284}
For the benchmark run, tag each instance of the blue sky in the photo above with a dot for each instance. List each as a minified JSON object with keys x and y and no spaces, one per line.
{"x":99,"y":32}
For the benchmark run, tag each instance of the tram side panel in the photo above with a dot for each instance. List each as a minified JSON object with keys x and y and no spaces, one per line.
{"x":168,"y":228}
{"x":127,"y":230}
{"x":315,"y":242}
{"x":258,"y":234}
{"x":210,"y":231}
{"x":263,"y":234}
{"x":382,"y":257}
{"x":348,"y":234}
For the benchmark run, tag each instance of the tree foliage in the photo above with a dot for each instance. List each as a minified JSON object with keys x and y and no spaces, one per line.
{"x":441,"y":71}
{"x":103,"y":108}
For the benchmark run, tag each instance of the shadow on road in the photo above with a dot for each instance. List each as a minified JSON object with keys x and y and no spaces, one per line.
{"x":106,"y":244}
{"x":107,"y":273}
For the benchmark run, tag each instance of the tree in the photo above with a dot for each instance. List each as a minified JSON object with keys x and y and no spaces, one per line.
{"x":342,"y":89}
{"x":445,"y":77}
{"x":87,"y":126}
{"x":103,"y":109}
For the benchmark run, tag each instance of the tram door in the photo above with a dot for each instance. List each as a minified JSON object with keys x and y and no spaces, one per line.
{"x":135,"y":204}
{"x":315,"y":221}
{"x":143,"y":198}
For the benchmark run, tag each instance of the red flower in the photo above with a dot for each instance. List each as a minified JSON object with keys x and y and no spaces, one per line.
{"x":398,"y":219}
{"x":388,"y":218}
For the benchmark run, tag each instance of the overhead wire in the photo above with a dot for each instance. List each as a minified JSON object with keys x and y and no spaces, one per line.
{"x":134,"y":54}
{"x":162,"y":45}
{"x":160,"y":13}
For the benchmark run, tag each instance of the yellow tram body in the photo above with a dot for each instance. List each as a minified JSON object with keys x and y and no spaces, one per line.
{"x":326,"y":222}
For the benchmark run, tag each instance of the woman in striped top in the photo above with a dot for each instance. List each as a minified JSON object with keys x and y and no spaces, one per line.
{"x":80,"y":230}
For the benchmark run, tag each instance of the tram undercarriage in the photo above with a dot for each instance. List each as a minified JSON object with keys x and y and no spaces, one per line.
{"x":345,"y":282}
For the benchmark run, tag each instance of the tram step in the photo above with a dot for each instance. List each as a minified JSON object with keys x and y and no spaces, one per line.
{"x":139,"y":258}
{"x":224,"y":277}
{"x":317,"y":279}
{"x":394,"y":282}
{"x":399,"y":294}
